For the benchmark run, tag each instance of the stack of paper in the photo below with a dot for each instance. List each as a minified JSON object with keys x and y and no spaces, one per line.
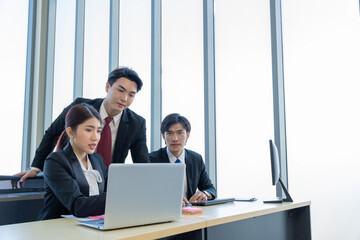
{"x":191,"y":210}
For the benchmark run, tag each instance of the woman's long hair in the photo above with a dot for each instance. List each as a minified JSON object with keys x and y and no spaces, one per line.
{"x":77,"y":114}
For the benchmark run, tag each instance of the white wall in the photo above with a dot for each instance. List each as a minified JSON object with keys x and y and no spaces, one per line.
{"x":322,"y":79}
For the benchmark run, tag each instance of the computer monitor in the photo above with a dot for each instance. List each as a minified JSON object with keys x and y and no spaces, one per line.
{"x":275,"y":174}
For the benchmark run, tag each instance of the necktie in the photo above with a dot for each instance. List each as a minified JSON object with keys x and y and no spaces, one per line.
{"x":104,"y":147}
{"x":177,"y":161}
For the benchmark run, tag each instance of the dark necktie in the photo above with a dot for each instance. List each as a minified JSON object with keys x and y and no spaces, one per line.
{"x":104,"y":147}
{"x":177,"y":161}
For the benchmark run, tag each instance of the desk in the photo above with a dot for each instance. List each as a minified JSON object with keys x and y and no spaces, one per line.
{"x":224,"y":221}
{"x":255,"y":220}
{"x":65,"y":228}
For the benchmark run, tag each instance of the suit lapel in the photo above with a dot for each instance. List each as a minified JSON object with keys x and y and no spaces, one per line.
{"x":189,"y":165}
{"x":121,"y":135}
{"x":164,"y":157}
{"x":78,"y":173}
{"x":97,"y":104}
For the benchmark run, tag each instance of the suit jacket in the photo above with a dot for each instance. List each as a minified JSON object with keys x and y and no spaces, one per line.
{"x":66,"y":188}
{"x":197,"y":177}
{"x":131,"y":135}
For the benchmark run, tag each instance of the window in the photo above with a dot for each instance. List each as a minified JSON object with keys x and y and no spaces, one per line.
{"x":96,"y":48}
{"x":182,"y":66}
{"x":13,"y":28}
{"x":64,"y":56}
{"x":244,"y":110}
{"x":135,"y":52}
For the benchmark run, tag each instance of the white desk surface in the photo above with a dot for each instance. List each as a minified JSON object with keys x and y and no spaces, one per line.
{"x":64,"y":228}
{"x":235,"y":211}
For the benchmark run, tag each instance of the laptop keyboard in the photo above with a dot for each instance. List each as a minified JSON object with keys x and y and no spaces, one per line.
{"x":95,"y":221}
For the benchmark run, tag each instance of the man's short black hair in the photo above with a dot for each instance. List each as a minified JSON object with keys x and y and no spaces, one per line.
{"x":172,"y":119}
{"x":126,"y":73}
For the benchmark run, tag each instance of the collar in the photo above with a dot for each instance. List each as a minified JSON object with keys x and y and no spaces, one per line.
{"x":88,"y":163}
{"x":172,"y":158}
{"x":104,"y":115}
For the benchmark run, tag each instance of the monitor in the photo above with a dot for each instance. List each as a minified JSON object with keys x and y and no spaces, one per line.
{"x":275,"y":174}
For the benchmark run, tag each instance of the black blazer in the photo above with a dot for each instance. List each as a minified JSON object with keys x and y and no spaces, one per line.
{"x":197,"y":177}
{"x":131,"y":136}
{"x":66,"y":188}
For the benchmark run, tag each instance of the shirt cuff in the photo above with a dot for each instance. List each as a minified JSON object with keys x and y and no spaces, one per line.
{"x":208,"y":195}
{"x":35,"y":168}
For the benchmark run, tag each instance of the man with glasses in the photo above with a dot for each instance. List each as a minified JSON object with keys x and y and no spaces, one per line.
{"x":175,"y":130}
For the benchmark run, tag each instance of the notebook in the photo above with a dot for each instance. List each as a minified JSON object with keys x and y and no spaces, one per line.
{"x":140,"y":194}
{"x":213,"y":202}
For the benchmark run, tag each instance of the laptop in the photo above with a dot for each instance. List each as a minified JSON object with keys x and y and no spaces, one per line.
{"x":213,"y":202}
{"x":140,"y":194}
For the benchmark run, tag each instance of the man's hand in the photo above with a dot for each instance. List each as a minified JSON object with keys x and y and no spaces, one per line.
{"x":199,"y":196}
{"x":27,"y":174}
{"x":185,"y":201}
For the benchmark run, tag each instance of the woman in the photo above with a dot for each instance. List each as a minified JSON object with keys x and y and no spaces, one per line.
{"x":74,"y":175}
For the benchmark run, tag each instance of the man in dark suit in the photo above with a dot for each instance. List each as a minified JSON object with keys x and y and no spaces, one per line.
{"x":128,"y":129}
{"x":175,"y":130}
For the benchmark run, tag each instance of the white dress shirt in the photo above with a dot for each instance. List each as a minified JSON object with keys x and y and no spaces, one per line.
{"x":172,"y":159}
{"x":92,"y":176}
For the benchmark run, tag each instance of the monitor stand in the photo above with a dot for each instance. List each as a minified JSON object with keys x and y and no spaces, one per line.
{"x":280,"y":200}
